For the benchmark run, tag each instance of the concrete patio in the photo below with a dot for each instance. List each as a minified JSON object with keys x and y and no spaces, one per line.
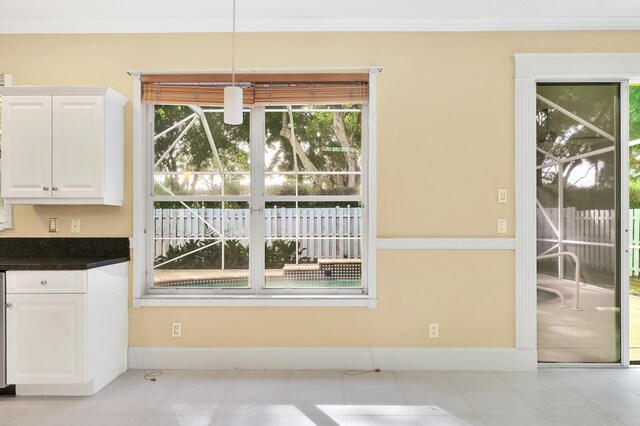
{"x":587,"y":335}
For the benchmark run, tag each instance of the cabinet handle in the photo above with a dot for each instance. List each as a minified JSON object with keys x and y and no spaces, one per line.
{"x":45,"y":188}
{"x":9,"y":305}
{"x":43,"y":282}
{"x":55,"y":188}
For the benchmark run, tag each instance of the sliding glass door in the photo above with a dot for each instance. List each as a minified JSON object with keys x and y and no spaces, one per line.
{"x":578,"y":222}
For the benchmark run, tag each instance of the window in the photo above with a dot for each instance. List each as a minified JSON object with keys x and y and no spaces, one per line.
{"x":5,"y":209}
{"x":274,"y":205}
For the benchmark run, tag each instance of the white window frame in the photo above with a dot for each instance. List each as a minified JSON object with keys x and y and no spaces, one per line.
{"x":8,"y":208}
{"x":531,"y":69}
{"x":143,"y":131}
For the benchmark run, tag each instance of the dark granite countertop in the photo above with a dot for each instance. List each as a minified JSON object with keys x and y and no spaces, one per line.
{"x":56,"y":263}
{"x":51,"y":254}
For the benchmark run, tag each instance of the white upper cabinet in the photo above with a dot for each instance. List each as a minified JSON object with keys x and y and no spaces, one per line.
{"x":78,"y":134}
{"x":26,"y":146}
{"x":62,"y":145}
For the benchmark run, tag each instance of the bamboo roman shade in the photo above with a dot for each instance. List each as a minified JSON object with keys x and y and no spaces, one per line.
{"x":258,"y":89}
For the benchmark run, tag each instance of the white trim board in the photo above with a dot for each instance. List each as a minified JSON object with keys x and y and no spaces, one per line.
{"x":446,"y":244}
{"x":577,"y":66}
{"x":143,"y":129}
{"x":296,"y":358}
{"x":255,"y":300}
{"x":529,"y":70}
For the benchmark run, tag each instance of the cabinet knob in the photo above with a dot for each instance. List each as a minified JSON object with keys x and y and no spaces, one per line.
{"x":8,"y":305}
{"x":43,"y":282}
{"x":55,"y":188}
{"x":45,"y":188}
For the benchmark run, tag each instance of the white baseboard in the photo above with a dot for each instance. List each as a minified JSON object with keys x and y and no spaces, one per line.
{"x":488,"y":359}
{"x":58,"y":390}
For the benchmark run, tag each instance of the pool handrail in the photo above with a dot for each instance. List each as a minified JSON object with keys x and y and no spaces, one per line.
{"x":557,"y":293}
{"x":577,"y":274}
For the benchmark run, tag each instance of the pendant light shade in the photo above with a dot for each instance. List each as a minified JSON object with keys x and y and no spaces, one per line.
{"x":233,"y":105}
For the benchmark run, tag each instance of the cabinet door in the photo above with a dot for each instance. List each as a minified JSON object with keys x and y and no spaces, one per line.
{"x":46,"y":339}
{"x":78,"y":146}
{"x":26,"y":146}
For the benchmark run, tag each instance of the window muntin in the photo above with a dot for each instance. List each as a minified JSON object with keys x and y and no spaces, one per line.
{"x":322,"y":183}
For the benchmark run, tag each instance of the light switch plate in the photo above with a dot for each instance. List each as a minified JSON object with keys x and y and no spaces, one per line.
{"x":502,"y":195}
{"x":53,"y":224}
{"x":502,"y":226}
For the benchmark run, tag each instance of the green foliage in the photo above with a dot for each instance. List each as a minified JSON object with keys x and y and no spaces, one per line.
{"x":634,"y":112}
{"x":236,"y":255}
{"x":596,"y":198}
{"x":194,"y":152}
{"x":634,"y":193}
{"x":316,"y":132}
{"x":562,"y":136}
{"x":280,"y":252}
{"x":634,"y":130}
{"x":205,"y":258}
{"x":600,"y":198}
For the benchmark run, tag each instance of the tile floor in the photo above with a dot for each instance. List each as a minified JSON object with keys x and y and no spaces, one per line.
{"x":301,"y":398}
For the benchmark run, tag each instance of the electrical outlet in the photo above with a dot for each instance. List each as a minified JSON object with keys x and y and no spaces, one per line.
{"x":176,"y":329}
{"x":434,"y":332}
{"x":75,"y":226}
{"x":502,"y":226}
{"x":53,"y":224}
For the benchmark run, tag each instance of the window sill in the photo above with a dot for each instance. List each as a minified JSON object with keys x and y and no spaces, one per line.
{"x":280,"y":300}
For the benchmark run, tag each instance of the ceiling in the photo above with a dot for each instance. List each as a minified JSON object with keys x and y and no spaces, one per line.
{"x":145,"y":16}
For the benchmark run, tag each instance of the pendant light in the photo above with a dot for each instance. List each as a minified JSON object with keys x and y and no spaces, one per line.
{"x":233,"y":94}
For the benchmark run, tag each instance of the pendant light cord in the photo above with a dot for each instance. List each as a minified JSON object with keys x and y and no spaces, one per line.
{"x":233,"y":47}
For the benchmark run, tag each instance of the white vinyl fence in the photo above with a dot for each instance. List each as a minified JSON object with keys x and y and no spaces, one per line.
{"x":323,"y":233}
{"x":591,"y":234}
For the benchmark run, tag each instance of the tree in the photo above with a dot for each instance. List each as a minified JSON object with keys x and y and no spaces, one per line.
{"x":562,"y":136}
{"x":634,"y":130}
{"x":322,"y":141}
{"x":193,"y":152}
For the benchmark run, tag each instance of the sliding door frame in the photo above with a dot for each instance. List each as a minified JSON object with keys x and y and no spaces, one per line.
{"x":531,"y":69}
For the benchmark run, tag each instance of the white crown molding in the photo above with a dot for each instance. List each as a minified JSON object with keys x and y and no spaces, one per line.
{"x":89,"y":26}
{"x":296,"y":358}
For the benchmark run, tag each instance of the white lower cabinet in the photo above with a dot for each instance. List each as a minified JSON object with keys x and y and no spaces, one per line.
{"x":46,"y":338}
{"x":66,"y":330}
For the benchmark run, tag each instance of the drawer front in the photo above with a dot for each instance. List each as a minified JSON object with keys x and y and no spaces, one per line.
{"x":46,"y":282}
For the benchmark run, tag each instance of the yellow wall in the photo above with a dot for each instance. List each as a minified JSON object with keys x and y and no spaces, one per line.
{"x":445,"y":136}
